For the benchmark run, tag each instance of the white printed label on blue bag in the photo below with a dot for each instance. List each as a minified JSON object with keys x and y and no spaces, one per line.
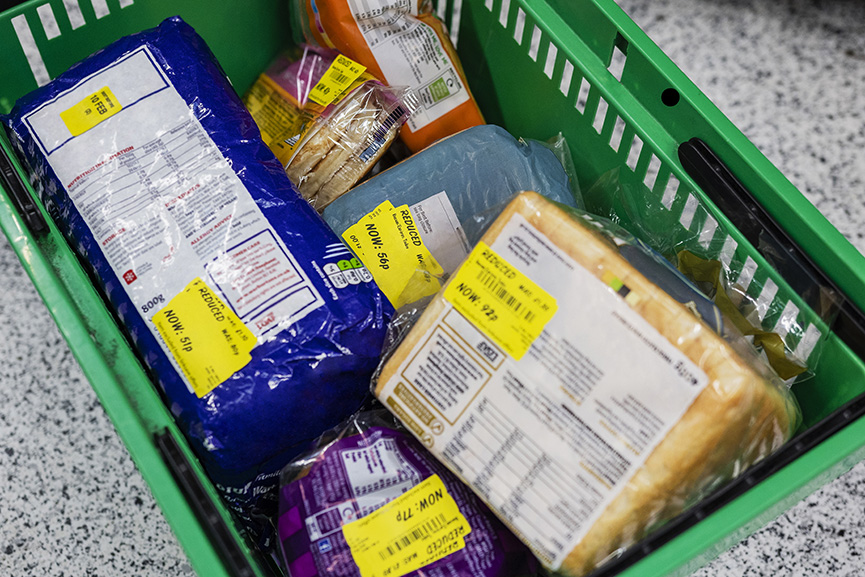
{"x":165,"y":205}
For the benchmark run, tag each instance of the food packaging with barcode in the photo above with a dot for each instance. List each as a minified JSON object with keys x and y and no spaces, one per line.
{"x":415,"y":222}
{"x":371,"y":501}
{"x":580,"y":385}
{"x":405,"y":44}
{"x":251,"y":315}
{"x":326,"y":119}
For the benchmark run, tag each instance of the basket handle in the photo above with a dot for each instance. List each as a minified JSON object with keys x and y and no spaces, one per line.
{"x":214,"y":525}
{"x":20,"y":197}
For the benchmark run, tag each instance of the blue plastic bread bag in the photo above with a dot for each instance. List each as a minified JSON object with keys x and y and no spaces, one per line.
{"x":463,"y":180}
{"x":259,"y":327}
{"x":443,"y":197}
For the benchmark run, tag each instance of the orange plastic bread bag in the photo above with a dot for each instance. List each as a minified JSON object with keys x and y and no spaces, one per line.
{"x":404,"y":43}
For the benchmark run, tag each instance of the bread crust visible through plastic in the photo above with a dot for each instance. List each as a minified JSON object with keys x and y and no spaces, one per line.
{"x":739,"y":418}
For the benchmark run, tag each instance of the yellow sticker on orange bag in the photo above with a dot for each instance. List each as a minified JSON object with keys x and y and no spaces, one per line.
{"x":339,"y":76}
{"x":91,"y":111}
{"x":417,"y":528}
{"x":208,"y":340}
{"x":390,"y":246}
{"x":501,"y":301}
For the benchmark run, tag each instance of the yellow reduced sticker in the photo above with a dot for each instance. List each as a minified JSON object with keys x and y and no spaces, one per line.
{"x":388,"y":243}
{"x":277,"y":115}
{"x":91,"y":111}
{"x":339,"y":76}
{"x":208,"y":340}
{"x":421,"y":526}
{"x":501,"y":301}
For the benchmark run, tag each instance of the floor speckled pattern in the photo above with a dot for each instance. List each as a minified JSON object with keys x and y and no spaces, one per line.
{"x":789,"y":73}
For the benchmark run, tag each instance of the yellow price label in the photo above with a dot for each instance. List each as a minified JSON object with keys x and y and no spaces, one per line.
{"x":91,"y":111}
{"x":501,"y":301}
{"x":339,"y":76}
{"x":417,"y":528}
{"x":389,"y":244}
{"x":206,"y":337}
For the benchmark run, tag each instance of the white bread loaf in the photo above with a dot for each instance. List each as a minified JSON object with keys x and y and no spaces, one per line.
{"x":740,"y":416}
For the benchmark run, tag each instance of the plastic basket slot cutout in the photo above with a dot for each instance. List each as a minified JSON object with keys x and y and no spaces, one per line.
{"x":51,"y":28}
{"x":618,"y":57}
{"x":49,"y":22}
{"x":771,"y":308}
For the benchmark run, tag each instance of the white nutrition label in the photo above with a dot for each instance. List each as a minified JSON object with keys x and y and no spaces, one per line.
{"x":165,"y":205}
{"x":378,"y":474}
{"x":409,"y":53}
{"x":441,"y":230}
{"x":550,"y":440}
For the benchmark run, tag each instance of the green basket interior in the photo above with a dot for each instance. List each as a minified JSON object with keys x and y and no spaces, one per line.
{"x":579,"y":67}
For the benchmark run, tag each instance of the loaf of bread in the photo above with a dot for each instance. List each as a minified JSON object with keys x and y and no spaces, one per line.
{"x":326,"y":141}
{"x":741,"y":414}
{"x":346,"y":145}
{"x":360,"y":469}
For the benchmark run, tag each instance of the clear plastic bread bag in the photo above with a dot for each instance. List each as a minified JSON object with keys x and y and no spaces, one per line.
{"x":414,"y":223}
{"x":404,"y":43}
{"x":326,"y":119}
{"x":369,"y":499}
{"x":580,"y":385}
{"x":788,"y":335}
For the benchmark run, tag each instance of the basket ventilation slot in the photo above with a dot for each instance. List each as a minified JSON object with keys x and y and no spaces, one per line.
{"x":747,"y":273}
{"x":49,"y":22}
{"x":670,"y":192}
{"x":535,"y":44}
{"x":618,"y":133}
{"x":100,"y":8}
{"x":689,"y":212}
{"x":52,"y":30}
{"x":659,"y":180}
{"x":652,"y":172}
{"x":788,"y":316}
{"x":707,"y":233}
{"x":634,"y":153}
{"x":73,"y":10}
{"x":617,"y":63}
{"x":31,"y":51}
{"x":600,"y":115}
{"x":583,"y":96}
{"x":503,"y":13}
{"x":550,"y":65}
{"x":567,"y":76}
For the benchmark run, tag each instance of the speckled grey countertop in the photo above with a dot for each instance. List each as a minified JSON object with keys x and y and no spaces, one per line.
{"x":789,"y":73}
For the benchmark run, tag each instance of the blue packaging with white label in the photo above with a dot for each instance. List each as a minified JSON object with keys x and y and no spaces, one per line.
{"x":258,"y":324}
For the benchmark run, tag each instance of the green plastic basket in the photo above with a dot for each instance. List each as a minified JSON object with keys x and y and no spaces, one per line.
{"x":538,"y":67}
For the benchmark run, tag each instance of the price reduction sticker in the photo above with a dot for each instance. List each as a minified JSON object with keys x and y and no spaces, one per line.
{"x":388,"y":243}
{"x":501,"y":301}
{"x":208,"y":340}
{"x":421,"y":526}
{"x":339,"y":76}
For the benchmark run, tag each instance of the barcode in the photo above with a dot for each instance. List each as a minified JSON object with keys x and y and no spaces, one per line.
{"x":491,"y":282}
{"x":338,"y":77}
{"x":380,"y":133}
{"x":430,"y":526}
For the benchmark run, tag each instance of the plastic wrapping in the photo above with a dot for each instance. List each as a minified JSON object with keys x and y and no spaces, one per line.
{"x":326,"y":119}
{"x":791,"y":346}
{"x":450,"y":192}
{"x":579,"y":399}
{"x":214,"y":265}
{"x":355,"y":471}
{"x":405,"y":44}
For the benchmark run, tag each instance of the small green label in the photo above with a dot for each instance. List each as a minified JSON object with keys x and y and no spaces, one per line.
{"x":438,"y":90}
